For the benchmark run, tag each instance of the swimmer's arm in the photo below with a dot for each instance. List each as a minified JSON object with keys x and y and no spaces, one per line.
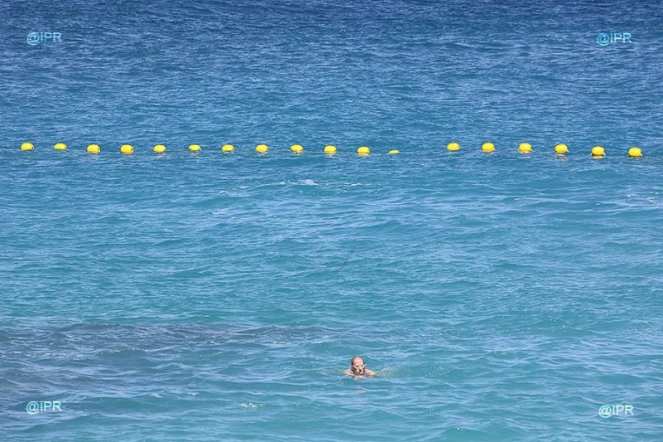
{"x":348,"y":372}
{"x":369,"y":373}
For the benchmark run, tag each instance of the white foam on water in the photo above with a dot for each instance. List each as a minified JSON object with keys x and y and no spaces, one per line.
{"x":250,"y":405}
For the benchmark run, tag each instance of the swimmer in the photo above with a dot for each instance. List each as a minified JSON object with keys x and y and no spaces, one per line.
{"x":358,"y":368}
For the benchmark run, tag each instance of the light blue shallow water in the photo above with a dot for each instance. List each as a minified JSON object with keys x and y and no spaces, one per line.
{"x":219,"y":297}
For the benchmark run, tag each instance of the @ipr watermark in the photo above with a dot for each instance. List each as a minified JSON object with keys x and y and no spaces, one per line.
{"x":606,"y":411}
{"x":35,"y":407}
{"x":34,"y":38}
{"x":606,"y":38}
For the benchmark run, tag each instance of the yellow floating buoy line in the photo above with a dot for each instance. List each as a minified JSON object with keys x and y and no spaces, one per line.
{"x":330,"y":150}
{"x":561,"y":149}
{"x":525,"y":148}
{"x":598,"y":152}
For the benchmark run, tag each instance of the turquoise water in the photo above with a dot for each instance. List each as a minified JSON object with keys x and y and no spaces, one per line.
{"x":184,"y":296}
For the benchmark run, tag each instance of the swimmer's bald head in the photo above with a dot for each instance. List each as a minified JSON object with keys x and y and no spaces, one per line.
{"x":358,"y":366}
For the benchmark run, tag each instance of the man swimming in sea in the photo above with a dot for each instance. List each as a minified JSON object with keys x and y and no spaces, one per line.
{"x":358,"y":368}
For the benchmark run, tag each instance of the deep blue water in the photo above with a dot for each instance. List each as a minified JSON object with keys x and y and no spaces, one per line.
{"x":501,"y":297}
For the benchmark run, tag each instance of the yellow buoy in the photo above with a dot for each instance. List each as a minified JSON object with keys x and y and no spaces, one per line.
{"x":488,"y":147}
{"x":27,"y":146}
{"x":394,"y":152}
{"x":453,"y":147}
{"x":262,"y":148}
{"x":227,"y":148}
{"x":194,"y":147}
{"x":635,"y":152}
{"x":330,"y":150}
{"x":525,"y":148}
{"x":363,"y":150}
{"x":93,"y":148}
{"x":297,"y":148}
{"x":126,"y":149}
{"x":159,"y":148}
{"x":598,"y":151}
{"x":561,"y":149}
{"x":60,"y":146}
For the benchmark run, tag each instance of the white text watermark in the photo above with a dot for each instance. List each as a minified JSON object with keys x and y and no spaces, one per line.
{"x":34,"y":38}
{"x":606,"y":38}
{"x":35,"y":407}
{"x":606,"y":411}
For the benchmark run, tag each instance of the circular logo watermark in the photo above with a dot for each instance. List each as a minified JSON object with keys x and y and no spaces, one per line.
{"x":605,"y":411}
{"x":33,"y":38}
{"x":603,"y":39}
{"x":32,"y":407}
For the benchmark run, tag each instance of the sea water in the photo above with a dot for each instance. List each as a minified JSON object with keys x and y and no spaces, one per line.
{"x":206,"y":297}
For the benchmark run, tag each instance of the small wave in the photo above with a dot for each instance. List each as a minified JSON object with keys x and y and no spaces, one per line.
{"x":308,"y":183}
{"x":250,"y":405}
{"x":388,"y":372}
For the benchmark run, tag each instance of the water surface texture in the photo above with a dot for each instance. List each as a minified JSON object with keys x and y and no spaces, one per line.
{"x":207,"y":297}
